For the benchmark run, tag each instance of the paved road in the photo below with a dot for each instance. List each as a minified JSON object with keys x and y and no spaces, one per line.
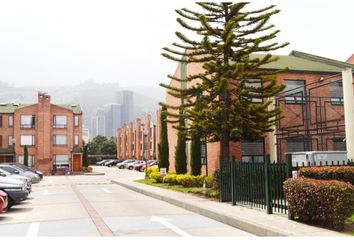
{"x":93,"y":206}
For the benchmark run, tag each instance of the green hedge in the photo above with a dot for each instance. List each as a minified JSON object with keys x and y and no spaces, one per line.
{"x":187,"y":180}
{"x":340,"y":173}
{"x":322,"y":202}
{"x":156,"y":176}
{"x":170,"y":179}
{"x":149,"y":170}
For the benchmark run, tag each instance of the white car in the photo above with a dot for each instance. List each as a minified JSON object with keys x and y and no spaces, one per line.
{"x":125,"y":163}
{"x":130,"y":166}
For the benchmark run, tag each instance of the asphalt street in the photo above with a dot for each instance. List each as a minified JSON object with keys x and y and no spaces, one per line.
{"x":93,"y":206}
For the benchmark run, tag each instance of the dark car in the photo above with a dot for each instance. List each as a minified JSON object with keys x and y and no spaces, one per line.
{"x":25,"y":168}
{"x":113,"y":162}
{"x":102,"y":162}
{"x":140,"y":165}
{"x":154,"y":163}
{"x":15,"y":189}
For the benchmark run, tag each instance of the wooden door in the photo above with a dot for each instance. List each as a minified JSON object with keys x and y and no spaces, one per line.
{"x":77,"y":162}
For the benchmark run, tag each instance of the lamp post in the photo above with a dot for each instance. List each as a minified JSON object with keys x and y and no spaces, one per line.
{"x":14,"y":145}
{"x":145,"y":133}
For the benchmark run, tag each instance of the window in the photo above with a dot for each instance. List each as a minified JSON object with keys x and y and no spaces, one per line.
{"x":30,"y":160}
{"x":76,"y":121}
{"x":336,"y":91}
{"x":253,"y":86}
{"x":298,"y":145}
{"x":252,"y":151}
{"x":76,"y":140}
{"x":11,"y":121}
{"x":9,"y":170}
{"x":61,"y":160}
{"x":27,"y":121}
{"x":295,"y":91}
{"x":339,"y":144}
{"x":59,"y":140}
{"x":10,"y":141}
{"x":27,"y":140}
{"x":59,"y":122}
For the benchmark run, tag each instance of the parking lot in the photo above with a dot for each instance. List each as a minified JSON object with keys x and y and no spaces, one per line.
{"x":92,"y":206}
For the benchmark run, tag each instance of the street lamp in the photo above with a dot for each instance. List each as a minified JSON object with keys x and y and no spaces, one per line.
{"x":14,"y":147}
{"x":145,"y":133}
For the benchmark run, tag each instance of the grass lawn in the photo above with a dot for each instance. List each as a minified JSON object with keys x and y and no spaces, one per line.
{"x":207,"y":192}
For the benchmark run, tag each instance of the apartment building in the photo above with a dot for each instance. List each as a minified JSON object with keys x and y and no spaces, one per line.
{"x":51,"y":132}
{"x":138,"y":140}
{"x":312,"y":105}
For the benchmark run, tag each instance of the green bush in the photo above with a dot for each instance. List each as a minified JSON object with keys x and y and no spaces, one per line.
{"x":216,"y":177}
{"x":149,"y":170}
{"x":156,"y":176}
{"x":209,"y":181}
{"x":324,"y":202}
{"x":340,"y":173}
{"x":170,"y":179}
{"x":87,"y":169}
{"x":187,"y":180}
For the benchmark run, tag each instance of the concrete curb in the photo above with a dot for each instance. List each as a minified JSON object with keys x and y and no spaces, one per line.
{"x":253,"y":228}
{"x":94,"y":174}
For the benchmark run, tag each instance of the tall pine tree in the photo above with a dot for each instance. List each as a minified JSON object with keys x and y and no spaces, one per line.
{"x":196,"y":155}
{"x":25,"y":156}
{"x":231,"y":44}
{"x":180,"y":153}
{"x":163,"y":144}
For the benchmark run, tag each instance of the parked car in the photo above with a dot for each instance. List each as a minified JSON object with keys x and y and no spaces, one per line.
{"x":25,"y":179}
{"x":113,"y":162}
{"x":101,"y":163}
{"x":16,"y":170}
{"x":130,"y":166}
{"x":25,"y":168}
{"x":149,"y":165}
{"x":124,"y":163}
{"x":140,"y":165}
{"x":15,"y":189}
{"x":3,"y":201}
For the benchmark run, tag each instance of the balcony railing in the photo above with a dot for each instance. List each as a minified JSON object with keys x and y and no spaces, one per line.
{"x":27,"y":126}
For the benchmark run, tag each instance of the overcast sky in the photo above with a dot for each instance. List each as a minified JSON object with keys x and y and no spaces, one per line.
{"x":56,"y":42}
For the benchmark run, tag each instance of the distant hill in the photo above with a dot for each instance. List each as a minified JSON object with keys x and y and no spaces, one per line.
{"x":89,"y":94}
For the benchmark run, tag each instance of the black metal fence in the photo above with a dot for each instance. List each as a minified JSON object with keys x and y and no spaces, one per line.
{"x":259,"y":185}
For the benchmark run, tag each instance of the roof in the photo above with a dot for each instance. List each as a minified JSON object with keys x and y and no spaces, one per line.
{"x":351,"y":59}
{"x":300,"y":61}
{"x":11,"y":107}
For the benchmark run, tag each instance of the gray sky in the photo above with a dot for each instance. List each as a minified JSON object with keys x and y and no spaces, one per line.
{"x":47,"y":42}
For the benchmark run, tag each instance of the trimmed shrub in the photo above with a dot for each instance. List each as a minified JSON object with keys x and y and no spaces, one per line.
{"x":216,"y":182}
{"x":340,"y":173}
{"x":187,"y":180}
{"x":323,"y":202}
{"x":156,"y":176}
{"x":170,"y":179}
{"x":209,"y":181}
{"x":150,"y":170}
{"x":87,"y":169}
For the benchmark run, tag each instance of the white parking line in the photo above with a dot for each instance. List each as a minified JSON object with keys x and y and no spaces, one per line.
{"x":33,"y":230}
{"x":106,"y":190}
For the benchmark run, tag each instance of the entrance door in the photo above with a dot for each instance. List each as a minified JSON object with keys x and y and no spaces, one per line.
{"x":77,"y":162}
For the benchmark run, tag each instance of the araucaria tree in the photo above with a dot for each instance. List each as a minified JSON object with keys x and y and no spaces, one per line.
{"x":196,"y":155}
{"x":163,"y":144}
{"x":231,"y":42}
{"x":25,"y":155}
{"x":180,"y":152}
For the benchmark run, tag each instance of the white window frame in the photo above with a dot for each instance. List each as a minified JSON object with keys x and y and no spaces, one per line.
{"x":58,"y":121}
{"x":30,"y":160}
{"x":28,"y":121}
{"x":60,"y":140}
{"x":10,"y":140}
{"x":76,"y":120}
{"x":28,"y":139}
{"x":61,"y":160}
{"x":76,"y":140}
{"x":11,"y":121}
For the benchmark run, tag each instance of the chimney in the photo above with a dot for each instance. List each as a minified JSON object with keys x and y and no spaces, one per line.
{"x":43,"y":97}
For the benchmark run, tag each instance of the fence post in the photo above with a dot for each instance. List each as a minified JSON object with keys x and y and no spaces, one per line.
{"x":267,"y":185}
{"x":289,"y":174}
{"x":233,"y":184}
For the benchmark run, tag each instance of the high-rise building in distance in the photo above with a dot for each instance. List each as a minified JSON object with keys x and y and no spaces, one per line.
{"x":113,"y":114}
{"x":125,"y":98}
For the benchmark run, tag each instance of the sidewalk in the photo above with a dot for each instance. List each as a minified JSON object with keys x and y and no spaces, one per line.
{"x":251,"y":220}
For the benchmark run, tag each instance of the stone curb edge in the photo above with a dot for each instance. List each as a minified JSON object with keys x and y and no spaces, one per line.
{"x":237,"y":223}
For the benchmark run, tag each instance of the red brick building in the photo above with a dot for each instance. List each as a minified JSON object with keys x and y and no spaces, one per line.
{"x":312,"y":106}
{"x":138,"y":140}
{"x":51,"y":132}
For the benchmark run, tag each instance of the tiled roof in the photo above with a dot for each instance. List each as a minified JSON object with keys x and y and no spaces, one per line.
{"x":10,"y":107}
{"x":298,"y":61}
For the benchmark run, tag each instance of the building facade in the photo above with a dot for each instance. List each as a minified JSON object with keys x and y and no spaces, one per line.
{"x":112,"y":118}
{"x":98,"y":123}
{"x":137,"y":140}
{"x":311,"y":104}
{"x":51,"y":132}
{"x":126,"y":99}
